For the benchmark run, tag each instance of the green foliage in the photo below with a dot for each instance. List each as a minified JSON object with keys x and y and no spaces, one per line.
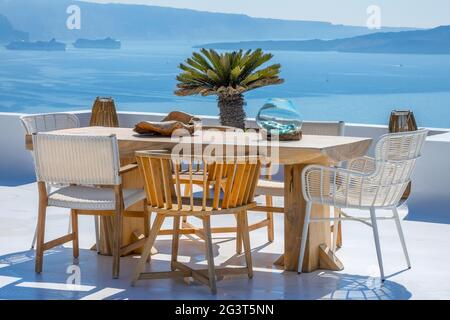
{"x":211,"y":73}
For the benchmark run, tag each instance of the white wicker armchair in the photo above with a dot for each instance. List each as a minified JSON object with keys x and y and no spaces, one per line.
{"x":367,"y":183}
{"x":48,"y":122}
{"x":89,"y":167}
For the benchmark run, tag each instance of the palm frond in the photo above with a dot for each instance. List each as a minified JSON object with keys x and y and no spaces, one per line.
{"x":208,"y":72}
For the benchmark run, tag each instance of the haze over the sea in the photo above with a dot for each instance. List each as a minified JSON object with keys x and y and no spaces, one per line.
{"x":141,"y":76}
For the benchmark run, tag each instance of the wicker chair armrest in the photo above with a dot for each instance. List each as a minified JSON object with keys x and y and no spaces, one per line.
{"x":337,"y":170}
{"x":321,"y":181}
{"x":128,"y":168}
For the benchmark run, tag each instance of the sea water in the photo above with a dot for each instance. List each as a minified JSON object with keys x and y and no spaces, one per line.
{"x":361,"y":88}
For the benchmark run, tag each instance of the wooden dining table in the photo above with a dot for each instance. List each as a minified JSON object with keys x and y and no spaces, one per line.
{"x":293,"y":155}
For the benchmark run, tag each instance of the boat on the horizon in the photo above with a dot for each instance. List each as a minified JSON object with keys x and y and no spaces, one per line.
{"x":51,"y":45}
{"x":107,"y":43}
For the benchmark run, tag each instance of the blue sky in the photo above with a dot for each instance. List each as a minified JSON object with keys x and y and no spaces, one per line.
{"x":412,"y":13}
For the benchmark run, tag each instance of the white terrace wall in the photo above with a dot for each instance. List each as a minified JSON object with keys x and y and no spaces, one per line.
{"x":16,"y":164}
{"x":430,"y":197}
{"x":431,"y":191}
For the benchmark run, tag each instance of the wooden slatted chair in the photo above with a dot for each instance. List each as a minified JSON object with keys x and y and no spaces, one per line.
{"x":163,"y":188}
{"x":197,"y":178}
{"x":89,"y":168}
{"x":198,"y":181}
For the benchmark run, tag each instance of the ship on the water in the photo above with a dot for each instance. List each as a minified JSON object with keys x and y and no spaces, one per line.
{"x":51,"y":45}
{"x":107,"y":43}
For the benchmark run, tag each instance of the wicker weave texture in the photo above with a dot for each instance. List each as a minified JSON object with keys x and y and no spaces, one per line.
{"x":76,"y":159}
{"x":368,"y":182}
{"x":49,"y":122}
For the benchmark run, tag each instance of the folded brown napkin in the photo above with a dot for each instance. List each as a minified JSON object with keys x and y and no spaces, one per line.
{"x":174,"y":120}
{"x":186,"y":118}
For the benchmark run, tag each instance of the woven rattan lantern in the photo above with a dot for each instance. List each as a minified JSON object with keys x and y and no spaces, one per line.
{"x":402,"y":121}
{"x":104,"y":113}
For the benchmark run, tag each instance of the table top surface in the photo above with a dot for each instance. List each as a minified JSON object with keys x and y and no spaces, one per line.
{"x":337,"y":148}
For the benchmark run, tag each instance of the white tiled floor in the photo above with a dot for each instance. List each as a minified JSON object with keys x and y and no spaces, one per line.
{"x":428,"y":279}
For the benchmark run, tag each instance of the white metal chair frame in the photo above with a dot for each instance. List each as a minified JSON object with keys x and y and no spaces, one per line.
{"x":367,"y":183}
{"x":88,"y":168}
{"x":49,"y":122}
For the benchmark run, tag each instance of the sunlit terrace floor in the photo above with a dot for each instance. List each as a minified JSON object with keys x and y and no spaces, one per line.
{"x":428,"y":279}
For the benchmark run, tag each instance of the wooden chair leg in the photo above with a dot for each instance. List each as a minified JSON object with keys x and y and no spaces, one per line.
{"x":41,"y":226}
{"x":175,"y":240}
{"x":238,"y":235}
{"x":209,"y":254}
{"x":117,"y":244}
{"x":270,"y":228}
{"x":246,"y":239}
{"x":339,"y":231}
{"x":74,"y":218}
{"x":148,"y":247}
{"x":117,"y":233}
{"x":147,"y":217}
{"x":147,"y":225}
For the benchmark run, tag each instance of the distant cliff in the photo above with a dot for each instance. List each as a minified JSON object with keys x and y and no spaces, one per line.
{"x":433,"y":41}
{"x":45,"y":19}
{"x":8,"y":33}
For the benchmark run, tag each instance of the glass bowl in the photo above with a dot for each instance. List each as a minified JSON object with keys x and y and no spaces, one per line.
{"x":279,"y":117}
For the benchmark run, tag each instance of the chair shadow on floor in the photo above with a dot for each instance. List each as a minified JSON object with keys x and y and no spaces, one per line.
{"x":353,"y":287}
{"x":19,"y":281}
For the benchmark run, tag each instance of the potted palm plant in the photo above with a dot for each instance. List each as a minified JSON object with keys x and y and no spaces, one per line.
{"x":227,"y":75}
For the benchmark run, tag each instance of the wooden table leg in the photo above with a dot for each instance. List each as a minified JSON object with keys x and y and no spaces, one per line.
{"x":294,"y":212}
{"x":132,"y":227}
{"x":317,"y":253}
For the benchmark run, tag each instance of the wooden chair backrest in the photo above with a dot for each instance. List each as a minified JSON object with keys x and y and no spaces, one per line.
{"x":198,"y":168}
{"x":234,"y":181}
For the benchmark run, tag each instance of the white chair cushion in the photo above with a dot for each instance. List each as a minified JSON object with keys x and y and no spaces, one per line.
{"x":270,"y":188}
{"x":92,"y":198}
